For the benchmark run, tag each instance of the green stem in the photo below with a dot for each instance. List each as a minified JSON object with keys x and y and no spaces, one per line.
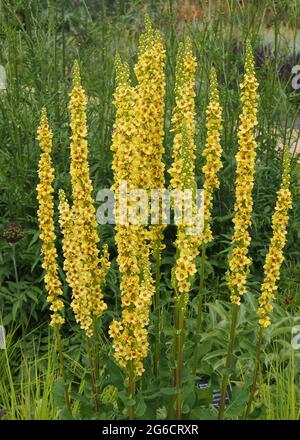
{"x":23,"y":317}
{"x":235,"y":310}
{"x":131,"y":390}
{"x":156,"y":303}
{"x":92,"y":371}
{"x":62,"y":368}
{"x":63,"y":42}
{"x":96,"y":353}
{"x":255,"y":372}
{"x":179,"y":322}
{"x":13,"y":247}
{"x":200,"y":305}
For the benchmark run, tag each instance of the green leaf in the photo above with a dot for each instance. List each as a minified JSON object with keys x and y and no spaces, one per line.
{"x":140,"y":407}
{"x":204,"y":396}
{"x":59,"y":394}
{"x":168,"y":391}
{"x":238,"y":403}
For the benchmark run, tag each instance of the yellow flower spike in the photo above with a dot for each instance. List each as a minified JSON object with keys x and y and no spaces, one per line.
{"x":183,"y":177}
{"x":46,"y":222}
{"x":275,"y":255}
{"x":73,"y":266}
{"x":182,"y":170}
{"x":239,"y":261}
{"x":123,"y":143}
{"x":272,"y":265}
{"x":149,"y":71}
{"x":149,"y":113}
{"x":130,"y":336}
{"x":83,"y":214}
{"x":212,"y":153}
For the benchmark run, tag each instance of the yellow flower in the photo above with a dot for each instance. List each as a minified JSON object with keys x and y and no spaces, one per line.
{"x":275,"y":256}
{"x":85,"y":268}
{"x":149,"y":111}
{"x":130,"y":338}
{"x":149,"y":118}
{"x":182,"y":170}
{"x":239,"y":261}
{"x":46,"y":222}
{"x":212,"y":154}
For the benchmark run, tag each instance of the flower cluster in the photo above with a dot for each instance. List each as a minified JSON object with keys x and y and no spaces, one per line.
{"x":79,"y":222}
{"x":149,"y":114}
{"x":130,"y":336}
{"x":13,"y":232}
{"x":212,"y":153}
{"x":239,"y":260}
{"x":125,"y":159}
{"x":182,"y":170}
{"x":275,"y":255}
{"x":46,"y":222}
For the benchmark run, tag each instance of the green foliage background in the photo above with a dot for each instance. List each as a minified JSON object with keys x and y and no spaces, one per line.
{"x":39,"y":41}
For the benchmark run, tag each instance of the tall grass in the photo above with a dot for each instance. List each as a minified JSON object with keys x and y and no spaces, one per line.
{"x":26,"y":387}
{"x":280,"y":392}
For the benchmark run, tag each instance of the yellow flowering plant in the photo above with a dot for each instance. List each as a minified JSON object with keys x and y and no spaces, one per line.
{"x":183,"y":177}
{"x":154,"y":330}
{"x":46,"y":222}
{"x":149,"y":119}
{"x":48,"y":237}
{"x":273,"y":262}
{"x":239,"y":260}
{"x":130,"y":336}
{"x":85,"y":268}
{"x":212,"y":154}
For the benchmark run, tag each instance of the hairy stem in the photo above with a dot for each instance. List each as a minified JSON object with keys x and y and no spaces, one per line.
{"x":200,"y":305}
{"x":179,"y":321}
{"x":13,"y":247}
{"x":156,"y":303}
{"x":62,"y":367}
{"x":235,"y":310}
{"x":92,"y":372}
{"x":255,"y":372}
{"x":96,"y":353}
{"x":131,"y":390}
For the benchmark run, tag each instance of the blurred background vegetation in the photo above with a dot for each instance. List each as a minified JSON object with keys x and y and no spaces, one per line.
{"x":39,"y":41}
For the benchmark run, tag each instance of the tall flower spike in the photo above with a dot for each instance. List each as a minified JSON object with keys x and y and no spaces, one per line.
{"x":85,"y":237}
{"x":150,"y":108}
{"x":183,"y":178}
{"x":212,"y":153}
{"x":239,"y":261}
{"x":275,"y":255}
{"x":46,"y":222}
{"x":130,"y":336}
{"x":149,"y":71}
{"x":182,"y":170}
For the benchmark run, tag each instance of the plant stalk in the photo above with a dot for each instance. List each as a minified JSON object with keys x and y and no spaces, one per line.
{"x":13,"y":247}
{"x":156,"y":303}
{"x":178,"y":352}
{"x":255,"y":372}
{"x":62,"y":368}
{"x":96,"y":353}
{"x":200,"y":305}
{"x":235,"y":310}
{"x":93,"y":376}
{"x":131,"y":390}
